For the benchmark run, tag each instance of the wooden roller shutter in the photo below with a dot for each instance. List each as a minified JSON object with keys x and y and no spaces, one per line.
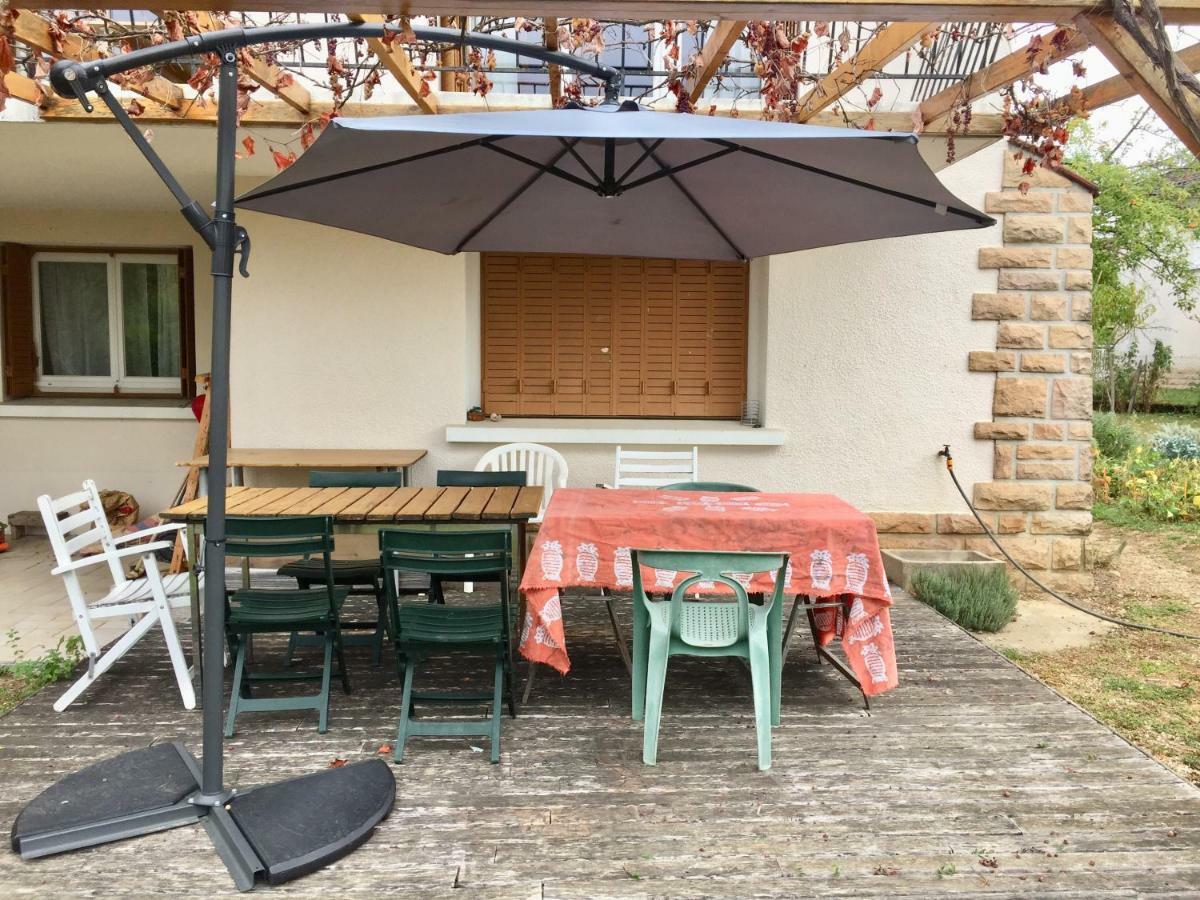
{"x":613,"y":336}
{"x":16,"y":305}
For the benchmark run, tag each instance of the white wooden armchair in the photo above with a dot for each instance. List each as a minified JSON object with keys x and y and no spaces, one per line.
{"x":77,"y":521}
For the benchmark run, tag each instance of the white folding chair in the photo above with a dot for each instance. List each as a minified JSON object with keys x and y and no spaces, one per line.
{"x":543,"y":466}
{"x":77,"y":521}
{"x":655,"y":468}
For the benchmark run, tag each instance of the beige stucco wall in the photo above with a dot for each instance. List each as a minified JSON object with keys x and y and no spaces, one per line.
{"x":348,"y":341}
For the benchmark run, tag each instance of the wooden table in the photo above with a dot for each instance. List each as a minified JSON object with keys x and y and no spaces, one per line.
{"x":361,"y":510}
{"x":242,"y":458}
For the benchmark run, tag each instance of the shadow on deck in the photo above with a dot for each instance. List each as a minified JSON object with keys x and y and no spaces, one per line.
{"x":971,"y":778}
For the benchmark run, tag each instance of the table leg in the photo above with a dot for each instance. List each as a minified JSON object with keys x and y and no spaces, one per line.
{"x":522,"y":551}
{"x":641,"y":653}
{"x":775,"y":655}
{"x":193,"y":561}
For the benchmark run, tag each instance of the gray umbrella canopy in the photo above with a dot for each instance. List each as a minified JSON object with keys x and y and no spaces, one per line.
{"x":613,"y":180}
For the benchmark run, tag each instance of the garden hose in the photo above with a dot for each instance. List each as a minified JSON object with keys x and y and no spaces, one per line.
{"x":945,"y":451}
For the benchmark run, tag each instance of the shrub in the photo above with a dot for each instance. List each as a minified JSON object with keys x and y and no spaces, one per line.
{"x":980,"y":600}
{"x":1176,"y":442}
{"x":1114,"y":437}
{"x":56,"y":664}
{"x":1145,"y":484}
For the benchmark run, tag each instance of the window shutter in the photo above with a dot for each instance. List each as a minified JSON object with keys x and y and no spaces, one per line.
{"x":600,"y":289}
{"x":537,"y":336}
{"x":729,"y":292}
{"x":629,"y":337}
{"x":16,"y":304}
{"x":501,"y":294}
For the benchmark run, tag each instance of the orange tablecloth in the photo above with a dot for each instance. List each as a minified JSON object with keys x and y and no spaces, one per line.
{"x":587,"y":533}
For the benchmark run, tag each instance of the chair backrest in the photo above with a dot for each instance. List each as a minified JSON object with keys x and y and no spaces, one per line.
{"x":77,"y":521}
{"x":731,"y":569}
{"x":258,"y":536}
{"x":447,"y":553}
{"x":543,"y":466}
{"x":656,"y":468}
{"x":710,"y":487}
{"x":352,"y":479}
{"x":465,"y":478}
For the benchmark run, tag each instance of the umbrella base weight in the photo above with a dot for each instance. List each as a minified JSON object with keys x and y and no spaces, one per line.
{"x":272,"y":833}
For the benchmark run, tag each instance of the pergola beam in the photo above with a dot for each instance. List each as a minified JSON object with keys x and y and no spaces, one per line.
{"x":266,"y":74}
{"x":935,"y":110}
{"x":885,"y":45}
{"x":395,"y":60}
{"x":33,"y":31}
{"x":1179,"y":12}
{"x":714,"y":53}
{"x":22,"y":87}
{"x":1117,"y":88}
{"x":1144,"y":76}
{"x":553,"y":72}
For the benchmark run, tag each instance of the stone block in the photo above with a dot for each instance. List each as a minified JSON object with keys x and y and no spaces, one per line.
{"x":1032,"y":280}
{"x":997,"y":306}
{"x":1081,"y":307}
{"x":1079,"y":230}
{"x":1048,"y":307}
{"x":953,"y":523}
{"x":1061,"y":523}
{"x":920,"y":542}
{"x":1073,"y":258}
{"x":1021,"y":336}
{"x":1081,"y":363}
{"x":1071,"y":398}
{"x":1015,"y":201}
{"x":1080,"y":280}
{"x":1075,"y":495}
{"x":991,"y":361}
{"x":1033,"y":229}
{"x":1031,"y":552}
{"x":1012,"y":523}
{"x":1075,"y":200}
{"x":1046,"y":471}
{"x":1045,"y":451}
{"x":1043,"y":362}
{"x":1070,"y":337}
{"x":1025,"y":397}
{"x":1001,"y":431}
{"x":1047,"y":431}
{"x":1018,"y":258}
{"x":904,"y":523}
{"x":1002,"y":460}
{"x":1080,"y":431}
{"x":1067,"y":553}
{"x":1006,"y":496}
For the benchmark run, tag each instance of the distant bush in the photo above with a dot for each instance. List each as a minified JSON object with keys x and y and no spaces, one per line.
{"x":1165,"y":490}
{"x":982,"y":600}
{"x":1176,"y":441}
{"x":1114,"y":437}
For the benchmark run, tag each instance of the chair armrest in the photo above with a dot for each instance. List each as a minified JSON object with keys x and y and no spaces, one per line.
{"x":146,"y":532}
{"x":139,"y":550}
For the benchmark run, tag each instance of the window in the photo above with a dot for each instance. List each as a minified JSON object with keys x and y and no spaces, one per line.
{"x":97,"y":322}
{"x":613,"y":336}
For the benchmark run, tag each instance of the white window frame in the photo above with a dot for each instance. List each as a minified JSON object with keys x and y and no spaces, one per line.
{"x":117,"y":381}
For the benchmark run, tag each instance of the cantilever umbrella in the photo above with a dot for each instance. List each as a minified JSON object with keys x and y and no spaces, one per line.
{"x":613,"y":180}
{"x":610,"y":180}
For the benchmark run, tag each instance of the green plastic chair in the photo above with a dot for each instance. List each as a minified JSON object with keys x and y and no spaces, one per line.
{"x":421,"y":630}
{"x":254,"y":611}
{"x":362,"y":576}
{"x":714,"y":487}
{"x":709,"y":628}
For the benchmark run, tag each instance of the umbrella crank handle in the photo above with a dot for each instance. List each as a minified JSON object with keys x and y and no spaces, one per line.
{"x":241,"y":246}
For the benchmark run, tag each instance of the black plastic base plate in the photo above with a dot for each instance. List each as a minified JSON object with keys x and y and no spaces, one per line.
{"x":131,"y":794}
{"x":299,"y":825}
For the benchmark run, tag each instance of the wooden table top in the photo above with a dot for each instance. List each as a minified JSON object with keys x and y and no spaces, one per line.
{"x":267,"y":458}
{"x":374,"y":505}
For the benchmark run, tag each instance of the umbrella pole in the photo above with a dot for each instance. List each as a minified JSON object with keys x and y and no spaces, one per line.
{"x":226,"y":237}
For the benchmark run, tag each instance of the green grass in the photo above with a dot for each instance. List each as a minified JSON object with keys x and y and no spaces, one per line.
{"x":976,"y":600}
{"x":1124,"y":518}
{"x":1148,"y":691}
{"x":1189,"y":398}
{"x":1145,"y":424}
{"x":1156,"y":612}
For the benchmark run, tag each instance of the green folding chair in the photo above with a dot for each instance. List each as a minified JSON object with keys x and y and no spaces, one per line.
{"x":693,"y":627}
{"x":362,"y":576}
{"x":421,"y":630}
{"x":712,"y":487}
{"x":254,"y":611}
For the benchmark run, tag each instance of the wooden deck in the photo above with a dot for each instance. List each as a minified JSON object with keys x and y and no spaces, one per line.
{"x":970,"y":779}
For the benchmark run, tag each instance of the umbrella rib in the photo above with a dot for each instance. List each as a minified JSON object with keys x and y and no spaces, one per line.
{"x":534,"y":164}
{"x":857,"y":182}
{"x":665,"y":172}
{"x":570,"y":145}
{"x":641,"y":159}
{"x":688,"y":194}
{"x":542,"y":170}
{"x":362,"y":170}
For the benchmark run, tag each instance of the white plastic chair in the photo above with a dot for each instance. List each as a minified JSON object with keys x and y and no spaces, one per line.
{"x":656,"y":468}
{"x":543,"y":466}
{"x":77,"y":521}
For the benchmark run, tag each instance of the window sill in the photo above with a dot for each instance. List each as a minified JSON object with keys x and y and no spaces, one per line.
{"x":627,"y":432}
{"x":50,"y":408}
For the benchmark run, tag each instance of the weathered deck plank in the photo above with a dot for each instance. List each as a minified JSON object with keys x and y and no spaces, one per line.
{"x":970,"y":759}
